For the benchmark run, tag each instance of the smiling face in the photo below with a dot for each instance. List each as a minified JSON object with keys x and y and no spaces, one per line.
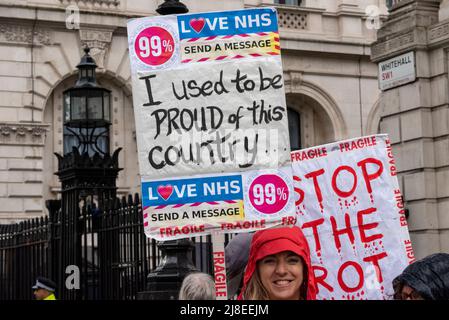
{"x":281,"y":275}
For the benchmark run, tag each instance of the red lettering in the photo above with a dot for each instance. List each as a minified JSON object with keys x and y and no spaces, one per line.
{"x":299,"y":191}
{"x":342,"y":283}
{"x":375,"y":260}
{"x":245,"y":225}
{"x":338,"y":191}
{"x":320,"y":279}
{"x":364,"y":227}
{"x":369,"y":177}
{"x":344,"y":146}
{"x":289,"y":221}
{"x":185,"y":230}
{"x":218,"y":268}
{"x":409,"y":250}
{"x":220,"y":277}
{"x":219,"y":260}
{"x":309,"y":154}
{"x":168,"y":231}
{"x":347,"y":230}
{"x":314,"y":175}
{"x":314,"y":225}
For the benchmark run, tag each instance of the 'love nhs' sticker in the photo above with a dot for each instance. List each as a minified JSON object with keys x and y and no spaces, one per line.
{"x":194,"y":190}
{"x":227,"y":23}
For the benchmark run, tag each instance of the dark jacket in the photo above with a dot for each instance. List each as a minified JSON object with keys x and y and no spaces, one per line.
{"x":429,"y":277}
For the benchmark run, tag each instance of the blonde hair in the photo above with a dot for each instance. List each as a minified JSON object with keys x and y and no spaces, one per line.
{"x":256,"y":291}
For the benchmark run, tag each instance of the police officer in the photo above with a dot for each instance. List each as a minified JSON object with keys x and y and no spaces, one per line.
{"x":44,"y":289}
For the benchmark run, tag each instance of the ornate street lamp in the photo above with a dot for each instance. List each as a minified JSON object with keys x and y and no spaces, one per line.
{"x":87,"y":109}
{"x":88,"y":173}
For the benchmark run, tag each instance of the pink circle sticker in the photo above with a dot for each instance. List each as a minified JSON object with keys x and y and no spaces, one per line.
{"x":268,"y":193}
{"x":154,"y":46}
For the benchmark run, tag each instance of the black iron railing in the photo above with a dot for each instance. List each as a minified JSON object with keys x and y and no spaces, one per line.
{"x":108,"y":247}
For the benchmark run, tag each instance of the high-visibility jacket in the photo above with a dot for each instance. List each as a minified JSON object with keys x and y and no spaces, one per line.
{"x":50,"y":297}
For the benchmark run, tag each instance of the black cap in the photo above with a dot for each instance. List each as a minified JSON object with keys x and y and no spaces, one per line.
{"x":44,"y":283}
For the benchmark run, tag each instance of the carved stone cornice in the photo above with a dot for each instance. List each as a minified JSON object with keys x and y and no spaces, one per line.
{"x":99,"y":41}
{"x":379,"y":50}
{"x":22,"y":133}
{"x":406,"y":28}
{"x":112,"y":4}
{"x":24,"y":34}
{"x":438,"y":33}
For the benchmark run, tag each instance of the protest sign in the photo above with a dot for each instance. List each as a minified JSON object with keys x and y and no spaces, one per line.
{"x":211,"y":123}
{"x":350,"y":208}
{"x":218,"y":257}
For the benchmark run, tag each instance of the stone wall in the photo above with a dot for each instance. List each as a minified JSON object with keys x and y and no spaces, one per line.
{"x":416,"y":117}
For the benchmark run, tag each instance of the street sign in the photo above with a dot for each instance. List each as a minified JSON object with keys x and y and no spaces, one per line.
{"x":397,"y":71}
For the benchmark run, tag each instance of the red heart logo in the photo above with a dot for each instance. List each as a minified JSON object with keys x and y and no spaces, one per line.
{"x":197,"y":24}
{"x":165,"y":191}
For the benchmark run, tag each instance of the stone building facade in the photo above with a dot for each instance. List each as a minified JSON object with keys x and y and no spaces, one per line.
{"x":331,"y":87}
{"x":416,"y":115}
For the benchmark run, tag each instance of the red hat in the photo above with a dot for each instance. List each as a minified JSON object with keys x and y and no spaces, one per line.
{"x":272,"y":241}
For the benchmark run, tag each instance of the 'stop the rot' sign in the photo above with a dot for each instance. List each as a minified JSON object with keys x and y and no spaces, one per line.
{"x":350,"y":207}
{"x":211,"y":123}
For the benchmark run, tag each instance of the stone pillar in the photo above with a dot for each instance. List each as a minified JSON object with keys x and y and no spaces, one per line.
{"x":416,"y":116}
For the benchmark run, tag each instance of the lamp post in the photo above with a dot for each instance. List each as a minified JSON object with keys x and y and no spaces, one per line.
{"x":88,"y":173}
{"x":87,"y":108}
{"x":165,"y":280}
{"x":172,"y":7}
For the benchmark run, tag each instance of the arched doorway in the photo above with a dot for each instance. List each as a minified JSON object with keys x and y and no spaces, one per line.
{"x":309,"y":124}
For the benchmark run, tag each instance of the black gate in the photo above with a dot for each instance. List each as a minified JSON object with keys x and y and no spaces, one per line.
{"x":108,"y":247}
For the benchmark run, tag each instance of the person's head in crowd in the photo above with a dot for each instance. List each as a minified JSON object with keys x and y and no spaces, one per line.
{"x":425,"y":279}
{"x":279,"y":267}
{"x":197,"y":286}
{"x":236,"y":253}
{"x":44,"y":289}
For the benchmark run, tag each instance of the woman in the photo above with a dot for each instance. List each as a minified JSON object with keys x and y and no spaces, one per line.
{"x":279,"y":267}
{"x":426,"y":279}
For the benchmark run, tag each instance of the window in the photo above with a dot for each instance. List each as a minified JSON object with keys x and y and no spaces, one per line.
{"x":289,"y":2}
{"x":101,"y":135}
{"x":389,"y":4}
{"x":294,"y":129}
